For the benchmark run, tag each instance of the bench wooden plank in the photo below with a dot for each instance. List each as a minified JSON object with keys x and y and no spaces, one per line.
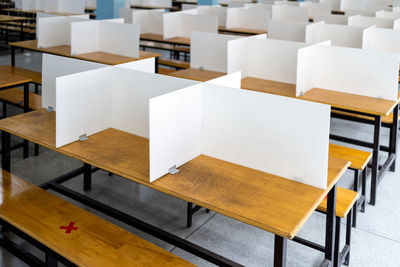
{"x":96,"y":242}
{"x":9,"y":79}
{"x":268,"y":86}
{"x":35,"y":76}
{"x":197,"y":74}
{"x":385,"y":119}
{"x":345,"y":200}
{"x":16,"y":96}
{"x":165,"y":71}
{"x":358,"y":158}
{"x":174,"y":63}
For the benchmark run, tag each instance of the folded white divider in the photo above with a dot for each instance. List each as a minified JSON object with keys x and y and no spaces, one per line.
{"x":381,"y":39}
{"x":25,"y":4}
{"x":335,"y":4}
{"x":209,"y":50}
{"x":293,"y":13}
{"x":340,"y":35}
{"x":331,"y":19}
{"x":317,"y":8}
{"x":115,"y":38}
{"x":218,"y":11}
{"x":364,"y":21}
{"x":233,"y":80}
{"x":150,"y":21}
{"x":348,"y":70}
{"x":387,"y":14}
{"x":149,"y":3}
{"x":40,"y":4}
{"x":181,"y":24}
{"x":287,"y":30}
{"x":247,"y":18}
{"x":198,"y":120}
{"x":72,"y":6}
{"x":145,"y":65}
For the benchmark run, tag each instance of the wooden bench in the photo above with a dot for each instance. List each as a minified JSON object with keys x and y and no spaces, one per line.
{"x":359,"y":160}
{"x":165,"y":71}
{"x":177,"y":64}
{"x":15,"y":96}
{"x":35,"y":76}
{"x":48,"y":222}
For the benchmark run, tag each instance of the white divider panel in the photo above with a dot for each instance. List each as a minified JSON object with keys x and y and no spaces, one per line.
{"x":209,"y":50}
{"x":51,"y":6}
{"x":335,"y":4}
{"x":349,"y":70}
{"x":172,"y":25}
{"x":247,"y":18}
{"x":83,"y":104}
{"x":340,"y":35}
{"x":118,"y":38}
{"x":145,"y":65}
{"x":91,"y":3}
{"x":287,"y":30}
{"x":25,"y":4}
{"x":317,"y":8}
{"x":52,"y":31}
{"x":353,"y":5}
{"x":293,"y":13}
{"x":127,"y":14}
{"x":273,"y":59}
{"x":56,"y":66}
{"x":230,"y":131}
{"x":201,"y":23}
{"x":387,"y":14}
{"x":85,"y":37}
{"x":396,"y":9}
{"x":150,"y":21}
{"x":381,"y":39}
{"x":175,"y":129}
{"x":40,"y":4}
{"x":218,"y":11}
{"x":363,"y":21}
{"x":238,"y":52}
{"x":233,"y":80}
{"x":72,"y":6}
{"x":331,"y":19}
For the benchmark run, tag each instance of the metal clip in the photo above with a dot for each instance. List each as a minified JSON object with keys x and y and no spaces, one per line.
{"x":20,"y":102}
{"x":201,"y":68}
{"x":173,"y":170}
{"x":83,"y":137}
{"x":50,"y":108}
{"x":301,"y":93}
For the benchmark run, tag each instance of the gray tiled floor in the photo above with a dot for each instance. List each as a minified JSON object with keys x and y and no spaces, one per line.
{"x":375,"y":242}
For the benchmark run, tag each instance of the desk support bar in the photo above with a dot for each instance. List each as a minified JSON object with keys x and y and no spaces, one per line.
{"x":280,"y":248}
{"x":330,"y":224}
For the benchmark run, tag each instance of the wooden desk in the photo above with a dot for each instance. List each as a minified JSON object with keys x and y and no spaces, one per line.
{"x":5,"y":18}
{"x":160,"y":39}
{"x":368,"y":107}
{"x":197,"y":74}
{"x":266,"y":201}
{"x":32,"y":13}
{"x":65,"y":51}
{"x":241,"y":31}
{"x":170,"y":8}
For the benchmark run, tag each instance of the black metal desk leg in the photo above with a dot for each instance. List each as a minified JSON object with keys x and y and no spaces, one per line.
{"x":330,"y":225}
{"x":375,"y":159}
{"x":355,"y":188}
{"x":22,"y":31}
{"x":12,"y":55}
{"x":87,"y":177}
{"x":26,"y":109}
{"x":337,"y":242}
{"x":280,"y":248}
{"x":394,"y":135}
{"x":156,"y":65}
{"x":5,"y":153}
{"x":51,"y":261}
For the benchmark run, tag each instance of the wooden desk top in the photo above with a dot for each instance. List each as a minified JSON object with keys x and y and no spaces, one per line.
{"x":5,"y":18}
{"x":96,"y":242}
{"x":197,"y":74}
{"x":242,"y":31}
{"x":272,"y":203}
{"x":98,"y":57}
{"x":174,"y":8}
{"x":35,"y":76}
{"x":268,"y":86}
{"x":9,"y":79}
{"x":351,"y":102}
{"x":159,"y":38}
{"x":39,"y":11}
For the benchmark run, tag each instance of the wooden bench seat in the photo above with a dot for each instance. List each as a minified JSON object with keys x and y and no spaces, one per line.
{"x":167,"y":47}
{"x":345,"y":200}
{"x":174,"y":63}
{"x":35,"y":76}
{"x":96,"y":242}
{"x":15,"y":96}
{"x":18,"y":24}
{"x":385,"y":119}
{"x":165,"y":71}
{"x":17,"y":29}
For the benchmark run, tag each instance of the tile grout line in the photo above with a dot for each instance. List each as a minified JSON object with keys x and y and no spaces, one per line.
{"x":378,"y":235}
{"x":195,"y":230}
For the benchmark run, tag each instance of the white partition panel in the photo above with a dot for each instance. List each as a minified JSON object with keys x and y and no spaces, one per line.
{"x":331,"y":19}
{"x":127,"y":14}
{"x":40,"y":4}
{"x":381,"y":39}
{"x":51,"y":6}
{"x":340,"y":35}
{"x":25,"y":4}
{"x":247,"y":18}
{"x":91,"y":4}
{"x":145,"y":65}
{"x":349,"y":70}
{"x":294,"y":13}
{"x":317,"y":8}
{"x":287,"y":30}
{"x":150,"y":21}
{"x":387,"y":14}
{"x":335,"y":4}
{"x":238,"y":54}
{"x":172,"y":25}
{"x":118,"y":38}
{"x":232,"y":80}
{"x":201,"y":23}
{"x":209,"y":50}
{"x":56,"y":66}
{"x":273,"y":59}
{"x":72,"y":6}
{"x":353,"y":5}
{"x":363,"y":21}
{"x":83,"y":107}
{"x":52,"y":31}
{"x":218,"y":11}
{"x":85,"y":37}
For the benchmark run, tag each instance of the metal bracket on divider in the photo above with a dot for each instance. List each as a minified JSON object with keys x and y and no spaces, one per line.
{"x":173,"y":170}
{"x":201,"y":68}
{"x":83,"y":137}
{"x":50,"y":108}
{"x":301,"y":93}
{"x":20,"y":102}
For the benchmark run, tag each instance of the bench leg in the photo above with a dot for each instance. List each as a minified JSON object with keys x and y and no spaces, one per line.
{"x":280,"y":247}
{"x":355,"y":188}
{"x":330,"y":225}
{"x":393,"y":136}
{"x":364,"y":188}
{"x":4,"y":110}
{"x":87,"y":177}
{"x":5,"y":151}
{"x":36,"y":88}
{"x":36,"y":150}
{"x":348,"y":238}
{"x":26,"y":109}
{"x":51,"y":261}
{"x":337,"y":243}
{"x":189,"y":214}
{"x":375,"y":160}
